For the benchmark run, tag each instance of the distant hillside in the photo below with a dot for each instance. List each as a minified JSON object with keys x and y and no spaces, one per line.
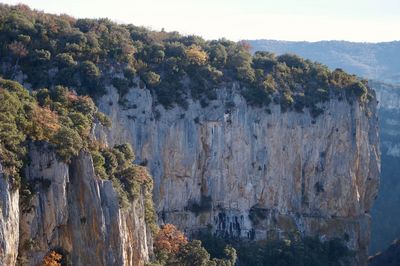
{"x":370,"y":60}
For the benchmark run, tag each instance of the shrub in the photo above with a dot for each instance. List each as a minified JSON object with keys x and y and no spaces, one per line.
{"x":151,"y":79}
{"x":65,"y":60}
{"x":103,"y":119}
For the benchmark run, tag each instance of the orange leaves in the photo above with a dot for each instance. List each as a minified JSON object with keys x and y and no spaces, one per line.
{"x":52,"y":259}
{"x":44,"y":123}
{"x":18,"y":49}
{"x":169,"y":239}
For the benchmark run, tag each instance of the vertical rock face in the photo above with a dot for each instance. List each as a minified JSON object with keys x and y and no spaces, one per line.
{"x":79,"y":216}
{"x":245,"y":172}
{"x":9,"y":222}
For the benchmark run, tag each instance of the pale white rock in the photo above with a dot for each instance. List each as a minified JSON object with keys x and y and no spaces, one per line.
{"x":78,"y":215}
{"x":293,"y":172}
{"x":9,"y":222}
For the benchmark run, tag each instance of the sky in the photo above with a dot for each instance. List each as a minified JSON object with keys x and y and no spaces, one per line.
{"x":293,"y":20}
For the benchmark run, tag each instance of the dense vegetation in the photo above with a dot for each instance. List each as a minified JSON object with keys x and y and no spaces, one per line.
{"x":172,"y":248}
{"x":292,"y":251}
{"x":58,"y":117}
{"x":88,"y":54}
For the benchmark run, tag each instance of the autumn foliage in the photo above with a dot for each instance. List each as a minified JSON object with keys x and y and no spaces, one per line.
{"x":170,"y":239}
{"x":196,"y":55}
{"x":52,"y":259}
{"x":44,"y":123}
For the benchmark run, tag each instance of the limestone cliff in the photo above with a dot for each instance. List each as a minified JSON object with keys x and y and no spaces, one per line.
{"x":9,"y":221}
{"x":79,"y":215}
{"x":72,"y":212}
{"x":248,"y":172}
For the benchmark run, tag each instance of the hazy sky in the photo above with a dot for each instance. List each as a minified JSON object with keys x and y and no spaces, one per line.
{"x":311,"y":20}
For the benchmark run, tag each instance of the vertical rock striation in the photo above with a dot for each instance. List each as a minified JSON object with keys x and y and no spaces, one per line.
{"x":9,"y":222}
{"x":78,"y":215}
{"x":250,"y":174}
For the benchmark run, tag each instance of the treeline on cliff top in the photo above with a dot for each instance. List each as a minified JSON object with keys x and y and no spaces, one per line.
{"x":88,"y":54}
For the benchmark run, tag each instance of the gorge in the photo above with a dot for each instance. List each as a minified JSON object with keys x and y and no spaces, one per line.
{"x":249,"y":148}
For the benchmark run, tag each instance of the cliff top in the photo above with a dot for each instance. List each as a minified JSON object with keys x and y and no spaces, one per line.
{"x":87,"y":54}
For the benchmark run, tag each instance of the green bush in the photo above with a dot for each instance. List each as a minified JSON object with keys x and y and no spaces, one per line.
{"x":68,"y":143}
{"x":151,"y":79}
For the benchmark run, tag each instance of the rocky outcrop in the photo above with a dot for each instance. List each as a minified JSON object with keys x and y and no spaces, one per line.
{"x":78,"y":215}
{"x":254,"y":173}
{"x":9,"y":221}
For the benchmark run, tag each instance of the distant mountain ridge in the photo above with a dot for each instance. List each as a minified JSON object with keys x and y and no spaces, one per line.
{"x":370,"y":60}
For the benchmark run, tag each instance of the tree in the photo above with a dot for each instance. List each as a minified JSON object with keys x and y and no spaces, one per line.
{"x":196,"y":56}
{"x":292,"y":60}
{"x":81,"y":123}
{"x":169,"y":239}
{"x":191,"y":254}
{"x":68,"y":143}
{"x":264,"y":60}
{"x":218,"y":55}
{"x":65,"y":60}
{"x":19,"y":51}
{"x":90,"y":75}
{"x":52,"y":259}
{"x":43,"y":124}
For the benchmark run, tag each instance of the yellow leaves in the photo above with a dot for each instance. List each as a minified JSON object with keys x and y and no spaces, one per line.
{"x":196,"y":55}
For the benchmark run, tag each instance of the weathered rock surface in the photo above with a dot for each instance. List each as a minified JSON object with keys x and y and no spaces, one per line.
{"x":9,"y":222}
{"x":79,"y":216}
{"x":248,"y":173}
